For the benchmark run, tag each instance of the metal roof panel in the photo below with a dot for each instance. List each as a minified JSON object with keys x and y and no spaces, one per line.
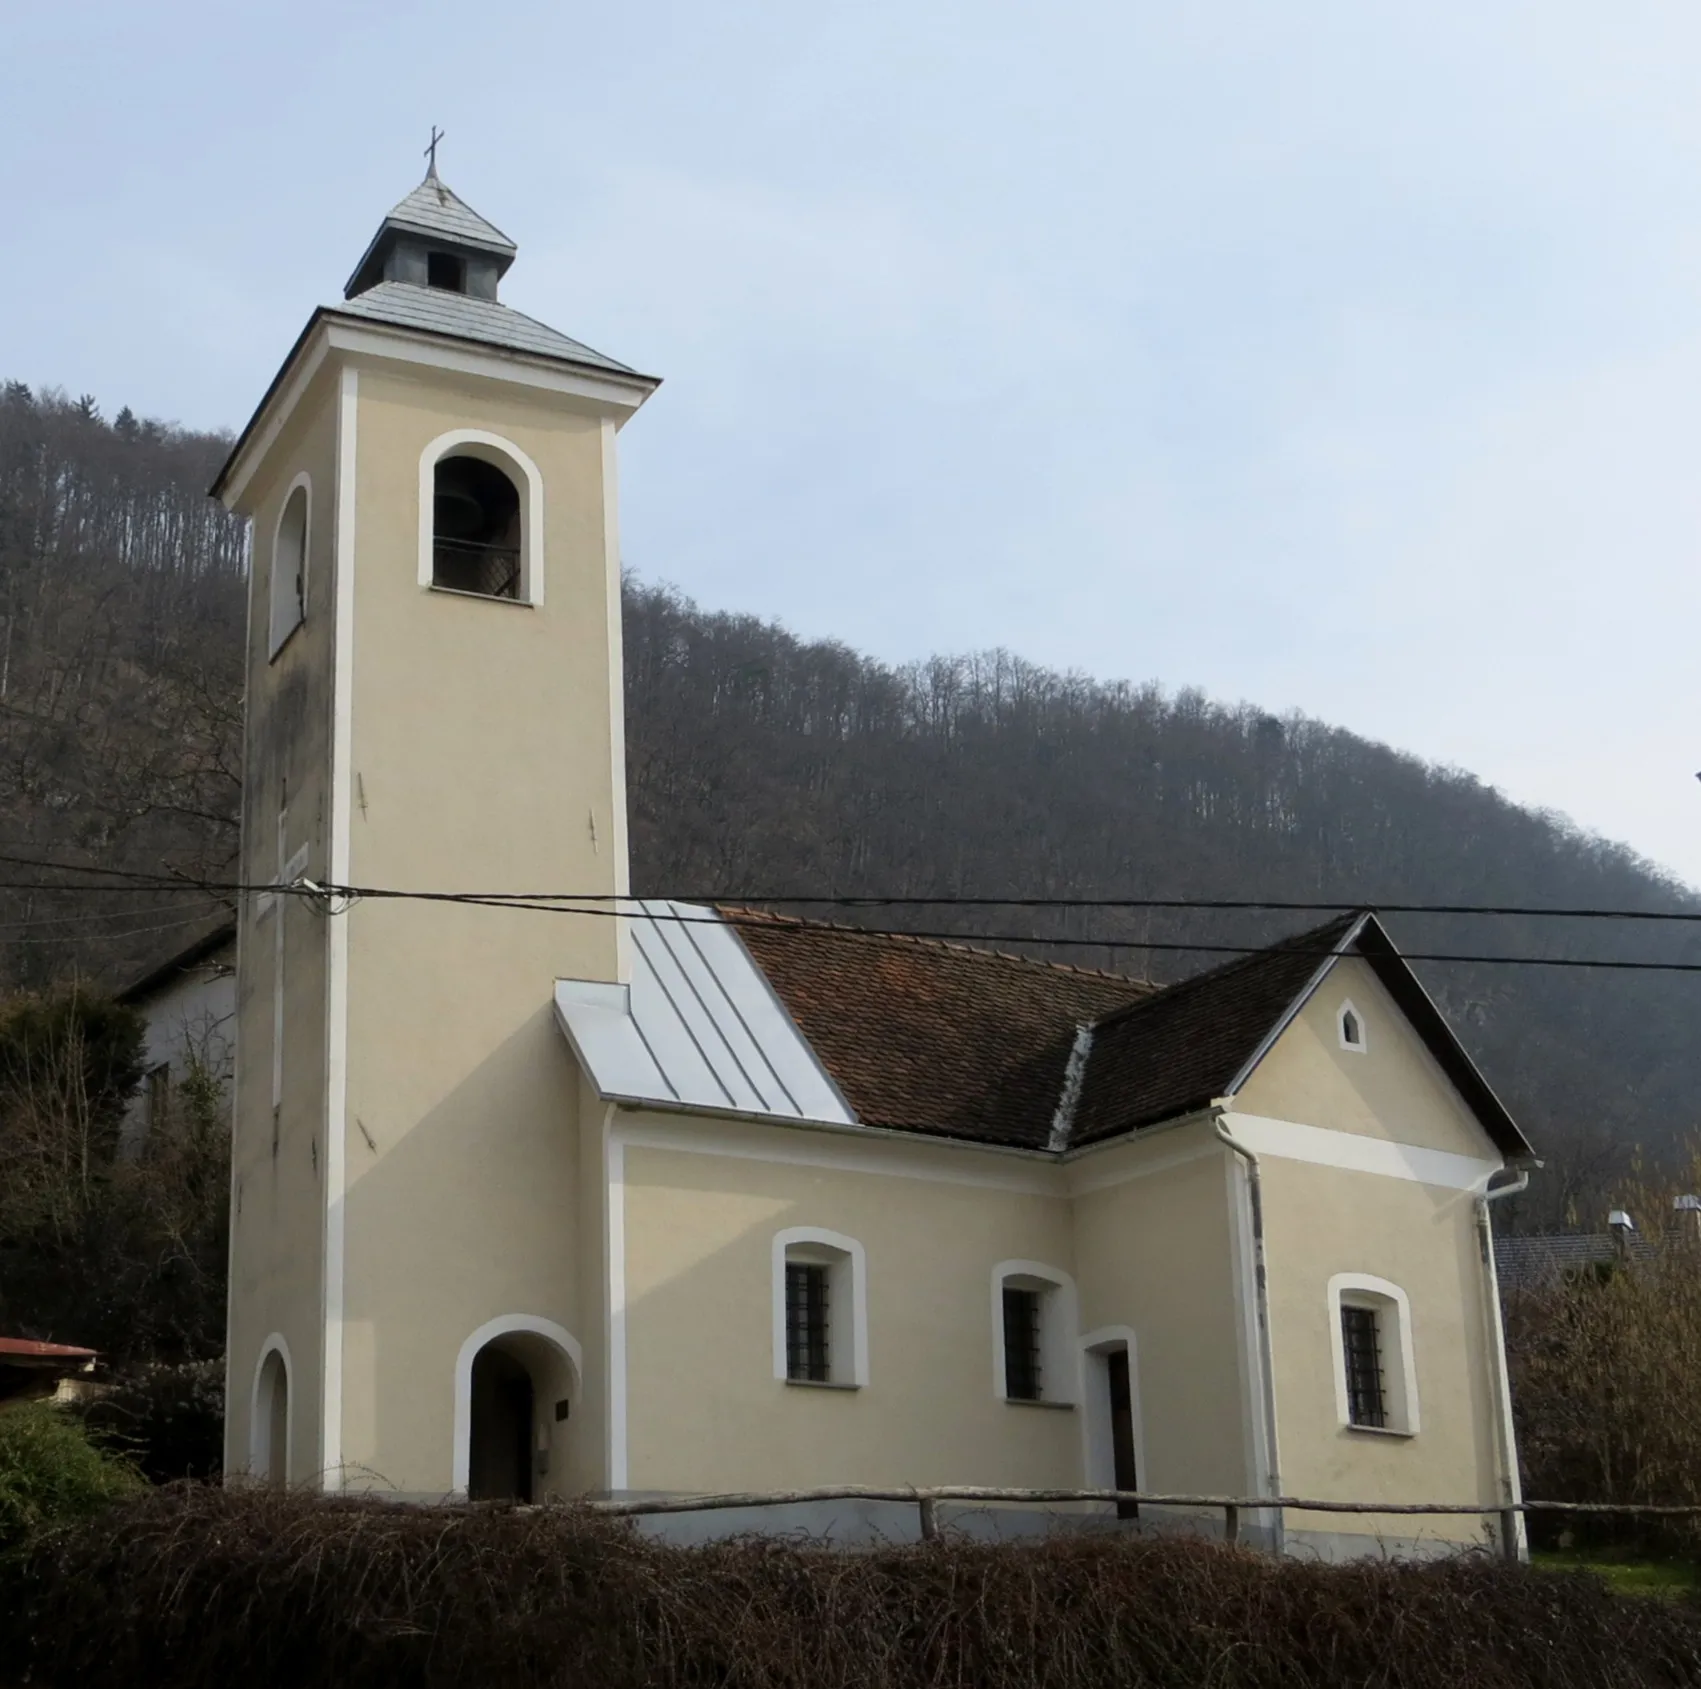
{"x":699,"y":1026}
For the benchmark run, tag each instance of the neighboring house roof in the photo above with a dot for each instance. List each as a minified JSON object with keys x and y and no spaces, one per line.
{"x":28,"y":1368}
{"x":954,"y":1041}
{"x":22,"y":1350}
{"x":1534,"y":1263}
{"x":459,"y":316}
{"x":219,"y":935}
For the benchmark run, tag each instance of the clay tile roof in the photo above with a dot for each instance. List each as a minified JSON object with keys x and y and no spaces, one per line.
{"x":1176,"y":1051}
{"x":945,"y":1038}
{"x":928,"y":1036}
{"x":27,"y":1349}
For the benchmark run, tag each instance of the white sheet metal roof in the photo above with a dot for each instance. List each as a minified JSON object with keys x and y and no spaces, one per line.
{"x":438,"y":311}
{"x":699,"y":1026}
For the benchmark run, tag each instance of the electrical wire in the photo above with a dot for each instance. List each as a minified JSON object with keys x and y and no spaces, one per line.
{"x":735,"y":917}
{"x":593,"y":905}
{"x":164,"y":882}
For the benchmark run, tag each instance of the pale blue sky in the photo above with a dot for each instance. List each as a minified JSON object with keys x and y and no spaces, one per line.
{"x":1344,"y":356}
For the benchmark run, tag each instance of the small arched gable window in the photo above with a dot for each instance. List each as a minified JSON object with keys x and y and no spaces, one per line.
{"x":289,"y":564}
{"x":481,"y":518}
{"x":820,"y":1308}
{"x":1350,"y":1024}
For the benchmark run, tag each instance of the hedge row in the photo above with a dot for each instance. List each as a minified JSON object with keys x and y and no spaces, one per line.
{"x":194,"y":1586}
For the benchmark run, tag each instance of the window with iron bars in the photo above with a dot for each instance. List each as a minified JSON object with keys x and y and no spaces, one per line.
{"x":807,"y":1352}
{"x":1361,"y":1348}
{"x":1021,"y":1344}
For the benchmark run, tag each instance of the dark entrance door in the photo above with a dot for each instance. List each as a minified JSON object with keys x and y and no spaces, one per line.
{"x":499,"y":1459}
{"x":1122,"y":1430}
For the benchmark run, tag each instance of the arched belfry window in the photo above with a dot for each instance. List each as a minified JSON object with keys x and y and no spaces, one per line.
{"x":475,"y":528}
{"x":289,"y":565}
{"x":481,"y":518}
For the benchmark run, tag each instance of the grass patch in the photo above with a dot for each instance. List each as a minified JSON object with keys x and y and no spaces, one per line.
{"x":1624,"y":1574}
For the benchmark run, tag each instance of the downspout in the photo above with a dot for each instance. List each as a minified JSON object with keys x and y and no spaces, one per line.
{"x":1261,"y":1304}
{"x":1513,"y":1539}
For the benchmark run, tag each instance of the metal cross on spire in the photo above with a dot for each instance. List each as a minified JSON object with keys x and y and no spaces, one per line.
{"x":431,"y":153}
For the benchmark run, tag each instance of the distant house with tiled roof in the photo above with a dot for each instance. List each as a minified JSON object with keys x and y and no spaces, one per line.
{"x":619,"y":1197}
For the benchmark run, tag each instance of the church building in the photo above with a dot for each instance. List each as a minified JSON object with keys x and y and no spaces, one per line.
{"x":616,"y":1198}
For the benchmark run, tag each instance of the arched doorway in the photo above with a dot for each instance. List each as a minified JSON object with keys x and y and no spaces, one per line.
{"x":500,"y":1458}
{"x":516,"y":1382}
{"x":268,"y":1424}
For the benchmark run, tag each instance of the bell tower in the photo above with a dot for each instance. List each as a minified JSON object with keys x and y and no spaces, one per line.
{"x":433,"y":706}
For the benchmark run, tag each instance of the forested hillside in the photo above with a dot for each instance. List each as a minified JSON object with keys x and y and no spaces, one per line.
{"x":764,"y":766}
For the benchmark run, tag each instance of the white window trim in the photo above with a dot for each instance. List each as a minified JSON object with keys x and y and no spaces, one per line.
{"x":1098,"y":1458}
{"x":1349,"y":1007}
{"x":847,"y":1369}
{"x":1060,"y":1351}
{"x":504,"y":1325}
{"x":506,"y":456}
{"x":260,"y":1431}
{"x":1399,"y":1362}
{"x":276,"y":638}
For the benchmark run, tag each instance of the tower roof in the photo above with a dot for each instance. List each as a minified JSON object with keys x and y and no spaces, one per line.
{"x":436,"y":212}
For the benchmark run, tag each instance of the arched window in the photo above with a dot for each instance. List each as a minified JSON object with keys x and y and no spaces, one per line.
{"x":475,"y":543}
{"x":820,"y":1308}
{"x":1033,"y":1334}
{"x":269,"y":1416}
{"x":516,"y":1380}
{"x":481,"y":518}
{"x":1350,"y":1024}
{"x":289,"y":565}
{"x":1370,"y":1324}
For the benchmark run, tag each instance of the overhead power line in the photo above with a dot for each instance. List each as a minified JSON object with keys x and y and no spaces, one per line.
{"x":609,"y":906}
{"x":133,"y":878}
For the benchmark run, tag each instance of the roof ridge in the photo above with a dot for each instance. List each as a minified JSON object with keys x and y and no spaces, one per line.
{"x":1169,"y":993}
{"x":736,"y":912}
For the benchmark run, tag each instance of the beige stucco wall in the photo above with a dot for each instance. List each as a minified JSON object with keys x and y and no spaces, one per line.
{"x":481,"y":760}
{"x":278,"y":1198}
{"x":1392,"y":1090}
{"x":1157,"y":1239}
{"x":1320,"y":1221}
{"x":1323,"y":1220}
{"x":705,"y":1409}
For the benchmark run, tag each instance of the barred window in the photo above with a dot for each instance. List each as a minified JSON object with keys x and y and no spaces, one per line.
{"x":1022,"y":1372}
{"x":1361,"y":1348}
{"x":820,"y":1308}
{"x":808,"y":1354}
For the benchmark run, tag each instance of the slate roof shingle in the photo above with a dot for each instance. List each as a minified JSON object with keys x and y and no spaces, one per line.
{"x":436,"y":209}
{"x":438,"y":311}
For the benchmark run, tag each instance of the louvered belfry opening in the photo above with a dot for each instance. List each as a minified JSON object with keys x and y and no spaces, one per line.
{"x":807,"y":1352}
{"x":1021,"y":1344}
{"x":1362,"y":1351}
{"x":476,"y":529}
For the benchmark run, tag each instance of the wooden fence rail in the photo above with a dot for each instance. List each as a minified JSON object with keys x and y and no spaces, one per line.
{"x":927,"y":1501}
